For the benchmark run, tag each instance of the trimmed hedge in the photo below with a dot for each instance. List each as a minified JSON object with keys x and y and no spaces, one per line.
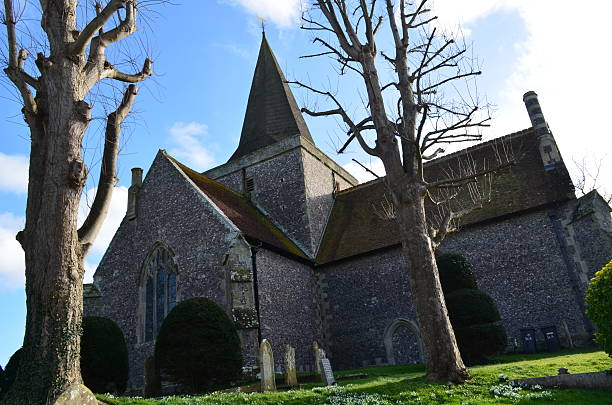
{"x":455,"y":273}
{"x":477,"y":342}
{"x":10,"y":372}
{"x":198,"y":346}
{"x":471,"y":307}
{"x":104,"y":356}
{"x":599,"y":306}
{"x":472,"y":312}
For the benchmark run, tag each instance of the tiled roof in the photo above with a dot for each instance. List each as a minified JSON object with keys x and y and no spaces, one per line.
{"x":272,"y":113}
{"x":355,"y":228}
{"x":241,"y":212}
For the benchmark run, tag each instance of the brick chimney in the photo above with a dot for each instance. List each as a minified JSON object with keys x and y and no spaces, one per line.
{"x":133,"y":193}
{"x":548,"y":148}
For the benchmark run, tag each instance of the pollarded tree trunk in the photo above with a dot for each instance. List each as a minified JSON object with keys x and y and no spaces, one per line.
{"x":58,"y":116}
{"x":442,"y":357}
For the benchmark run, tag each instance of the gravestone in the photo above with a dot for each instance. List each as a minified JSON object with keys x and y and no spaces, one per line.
{"x":266,"y":366}
{"x":290,"y":374}
{"x":327,"y":374}
{"x":152,"y":387}
{"x":315,"y":354}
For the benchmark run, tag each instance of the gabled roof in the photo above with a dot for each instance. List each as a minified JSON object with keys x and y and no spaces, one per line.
{"x":246,"y":217}
{"x":272,"y":113}
{"x":355,"y":228}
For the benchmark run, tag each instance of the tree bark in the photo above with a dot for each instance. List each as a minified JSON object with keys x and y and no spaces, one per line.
{"x":442,"y":358}
{"x":58,"y":117}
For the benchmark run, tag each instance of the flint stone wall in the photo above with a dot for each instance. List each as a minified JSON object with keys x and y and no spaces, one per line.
{"x":287,"y":307}
{"x":361,"y":299}
{"x":173,"y":212}
{"x":520,"y":263}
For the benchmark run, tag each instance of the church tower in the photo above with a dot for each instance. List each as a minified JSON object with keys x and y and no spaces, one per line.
{"x":277,"y":164}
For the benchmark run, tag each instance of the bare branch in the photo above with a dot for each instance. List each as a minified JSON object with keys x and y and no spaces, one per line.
{"x":366,"y":168}
{"x":146,"y":71}
{"x":95,"y":25}
{"x":93,"y":222}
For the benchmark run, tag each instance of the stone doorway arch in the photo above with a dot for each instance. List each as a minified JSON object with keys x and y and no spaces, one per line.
{"x":403,"y":343}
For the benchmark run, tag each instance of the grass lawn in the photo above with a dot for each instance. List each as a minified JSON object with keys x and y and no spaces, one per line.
{"x":406,"y":385}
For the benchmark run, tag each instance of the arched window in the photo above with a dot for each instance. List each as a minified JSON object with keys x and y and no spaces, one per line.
{"x":157,"y":289}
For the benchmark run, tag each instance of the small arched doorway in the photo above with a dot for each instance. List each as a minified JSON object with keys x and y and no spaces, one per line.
{"x":403,"y":343}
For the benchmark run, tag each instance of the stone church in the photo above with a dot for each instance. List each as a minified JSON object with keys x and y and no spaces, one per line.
{"x":289,"y":244}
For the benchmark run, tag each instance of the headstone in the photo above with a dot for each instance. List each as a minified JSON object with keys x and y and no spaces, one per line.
{"x":266,"y":366}
{"x":563,"y":370}
{"x":327,"y":375}
{"x":290,"y":374}
{"x":76,"y":394}
{"x":152,"y":387}
{"x":316,"y":356}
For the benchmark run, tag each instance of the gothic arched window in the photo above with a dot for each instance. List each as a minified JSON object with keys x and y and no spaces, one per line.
{"x":157,"y":289}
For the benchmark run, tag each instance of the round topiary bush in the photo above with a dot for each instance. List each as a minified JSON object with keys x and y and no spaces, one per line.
{"x":10,"y":372}
{"x":455,"y":273}
{"x":471,"y":307}
{"x":599,"y":306}
{"x":477,"y":342}
{"x":104,"y":356}
{"x":198,"y":346}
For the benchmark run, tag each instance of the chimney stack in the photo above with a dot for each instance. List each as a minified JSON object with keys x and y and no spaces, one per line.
{"x":133,"y":193}
{"x":548,"y":147}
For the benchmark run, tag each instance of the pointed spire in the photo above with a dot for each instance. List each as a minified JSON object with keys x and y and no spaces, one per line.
{"x":272,"y":113}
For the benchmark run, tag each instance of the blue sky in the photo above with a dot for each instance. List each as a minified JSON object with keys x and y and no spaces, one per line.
{"x":204,"y":54}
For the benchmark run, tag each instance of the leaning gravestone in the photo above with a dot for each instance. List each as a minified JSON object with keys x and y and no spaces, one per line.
{"x":266,"y":367}
{"x":290,"y":374}
{"x":327,"y":375}
{"x":76,"y":394}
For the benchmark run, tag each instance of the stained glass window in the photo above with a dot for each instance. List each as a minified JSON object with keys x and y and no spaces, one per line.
{"x":160,"y":291}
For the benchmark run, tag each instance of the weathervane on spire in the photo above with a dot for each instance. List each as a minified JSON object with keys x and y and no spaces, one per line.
{"x":263,"y":25}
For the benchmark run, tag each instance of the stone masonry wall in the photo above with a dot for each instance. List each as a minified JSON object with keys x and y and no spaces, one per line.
{"x":362,"y":298}
{"x":173,"y":212}
{"x":287,"y":307}
{"x":520,"y":263}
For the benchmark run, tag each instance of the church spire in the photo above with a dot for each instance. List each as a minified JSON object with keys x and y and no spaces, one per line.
{"x":272,"y":113}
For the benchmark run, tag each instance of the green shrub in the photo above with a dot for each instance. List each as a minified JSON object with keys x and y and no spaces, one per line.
{"x":599,"y":306}
{"x":1,"y":379}
{"x":10,"y":372}
{"x":455,"y":273}
{"x":471,"y":307}
{"x":104,"y":356}
{"x":198,"y":346}
{"x":478,"y":342}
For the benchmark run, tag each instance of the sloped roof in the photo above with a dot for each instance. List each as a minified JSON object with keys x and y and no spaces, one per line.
{"x":354,"y":227}
{"x":241,"y":212}
{"x":272,"y":113}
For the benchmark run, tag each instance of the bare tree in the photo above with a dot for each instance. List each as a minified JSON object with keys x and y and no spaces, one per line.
{"x":70,"y":63}
{"x":410,"y":118}
{"x":587,"y":177}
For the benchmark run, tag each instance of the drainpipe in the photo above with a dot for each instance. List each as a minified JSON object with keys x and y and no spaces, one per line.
{"x":254,"y":250}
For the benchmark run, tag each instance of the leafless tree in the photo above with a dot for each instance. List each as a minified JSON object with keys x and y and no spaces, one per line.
{"x":71,"y":61}
{"x":587,"y":177}
{"x":410,"y":129}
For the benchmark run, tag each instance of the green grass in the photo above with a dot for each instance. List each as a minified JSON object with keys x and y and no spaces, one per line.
{"x":406,"y":385}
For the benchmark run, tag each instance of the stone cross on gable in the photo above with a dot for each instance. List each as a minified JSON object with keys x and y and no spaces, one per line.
{"x":266,"y":367}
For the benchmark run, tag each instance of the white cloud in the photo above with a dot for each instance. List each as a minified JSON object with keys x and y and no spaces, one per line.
{"x":12,"y":261}
{"x":14,"y":173}
{"x":187,"y":137}
{"x":284,"y":13}
{"x":115,"y":215}
{"x":363,"y":175}
{"x":563,"y":60}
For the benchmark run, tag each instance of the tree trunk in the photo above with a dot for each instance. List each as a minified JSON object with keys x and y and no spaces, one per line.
{"x":442,"y":357}
{"x":53,"y":254}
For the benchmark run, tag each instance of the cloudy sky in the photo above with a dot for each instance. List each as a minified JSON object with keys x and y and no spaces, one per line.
{"x":204,"y":55}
